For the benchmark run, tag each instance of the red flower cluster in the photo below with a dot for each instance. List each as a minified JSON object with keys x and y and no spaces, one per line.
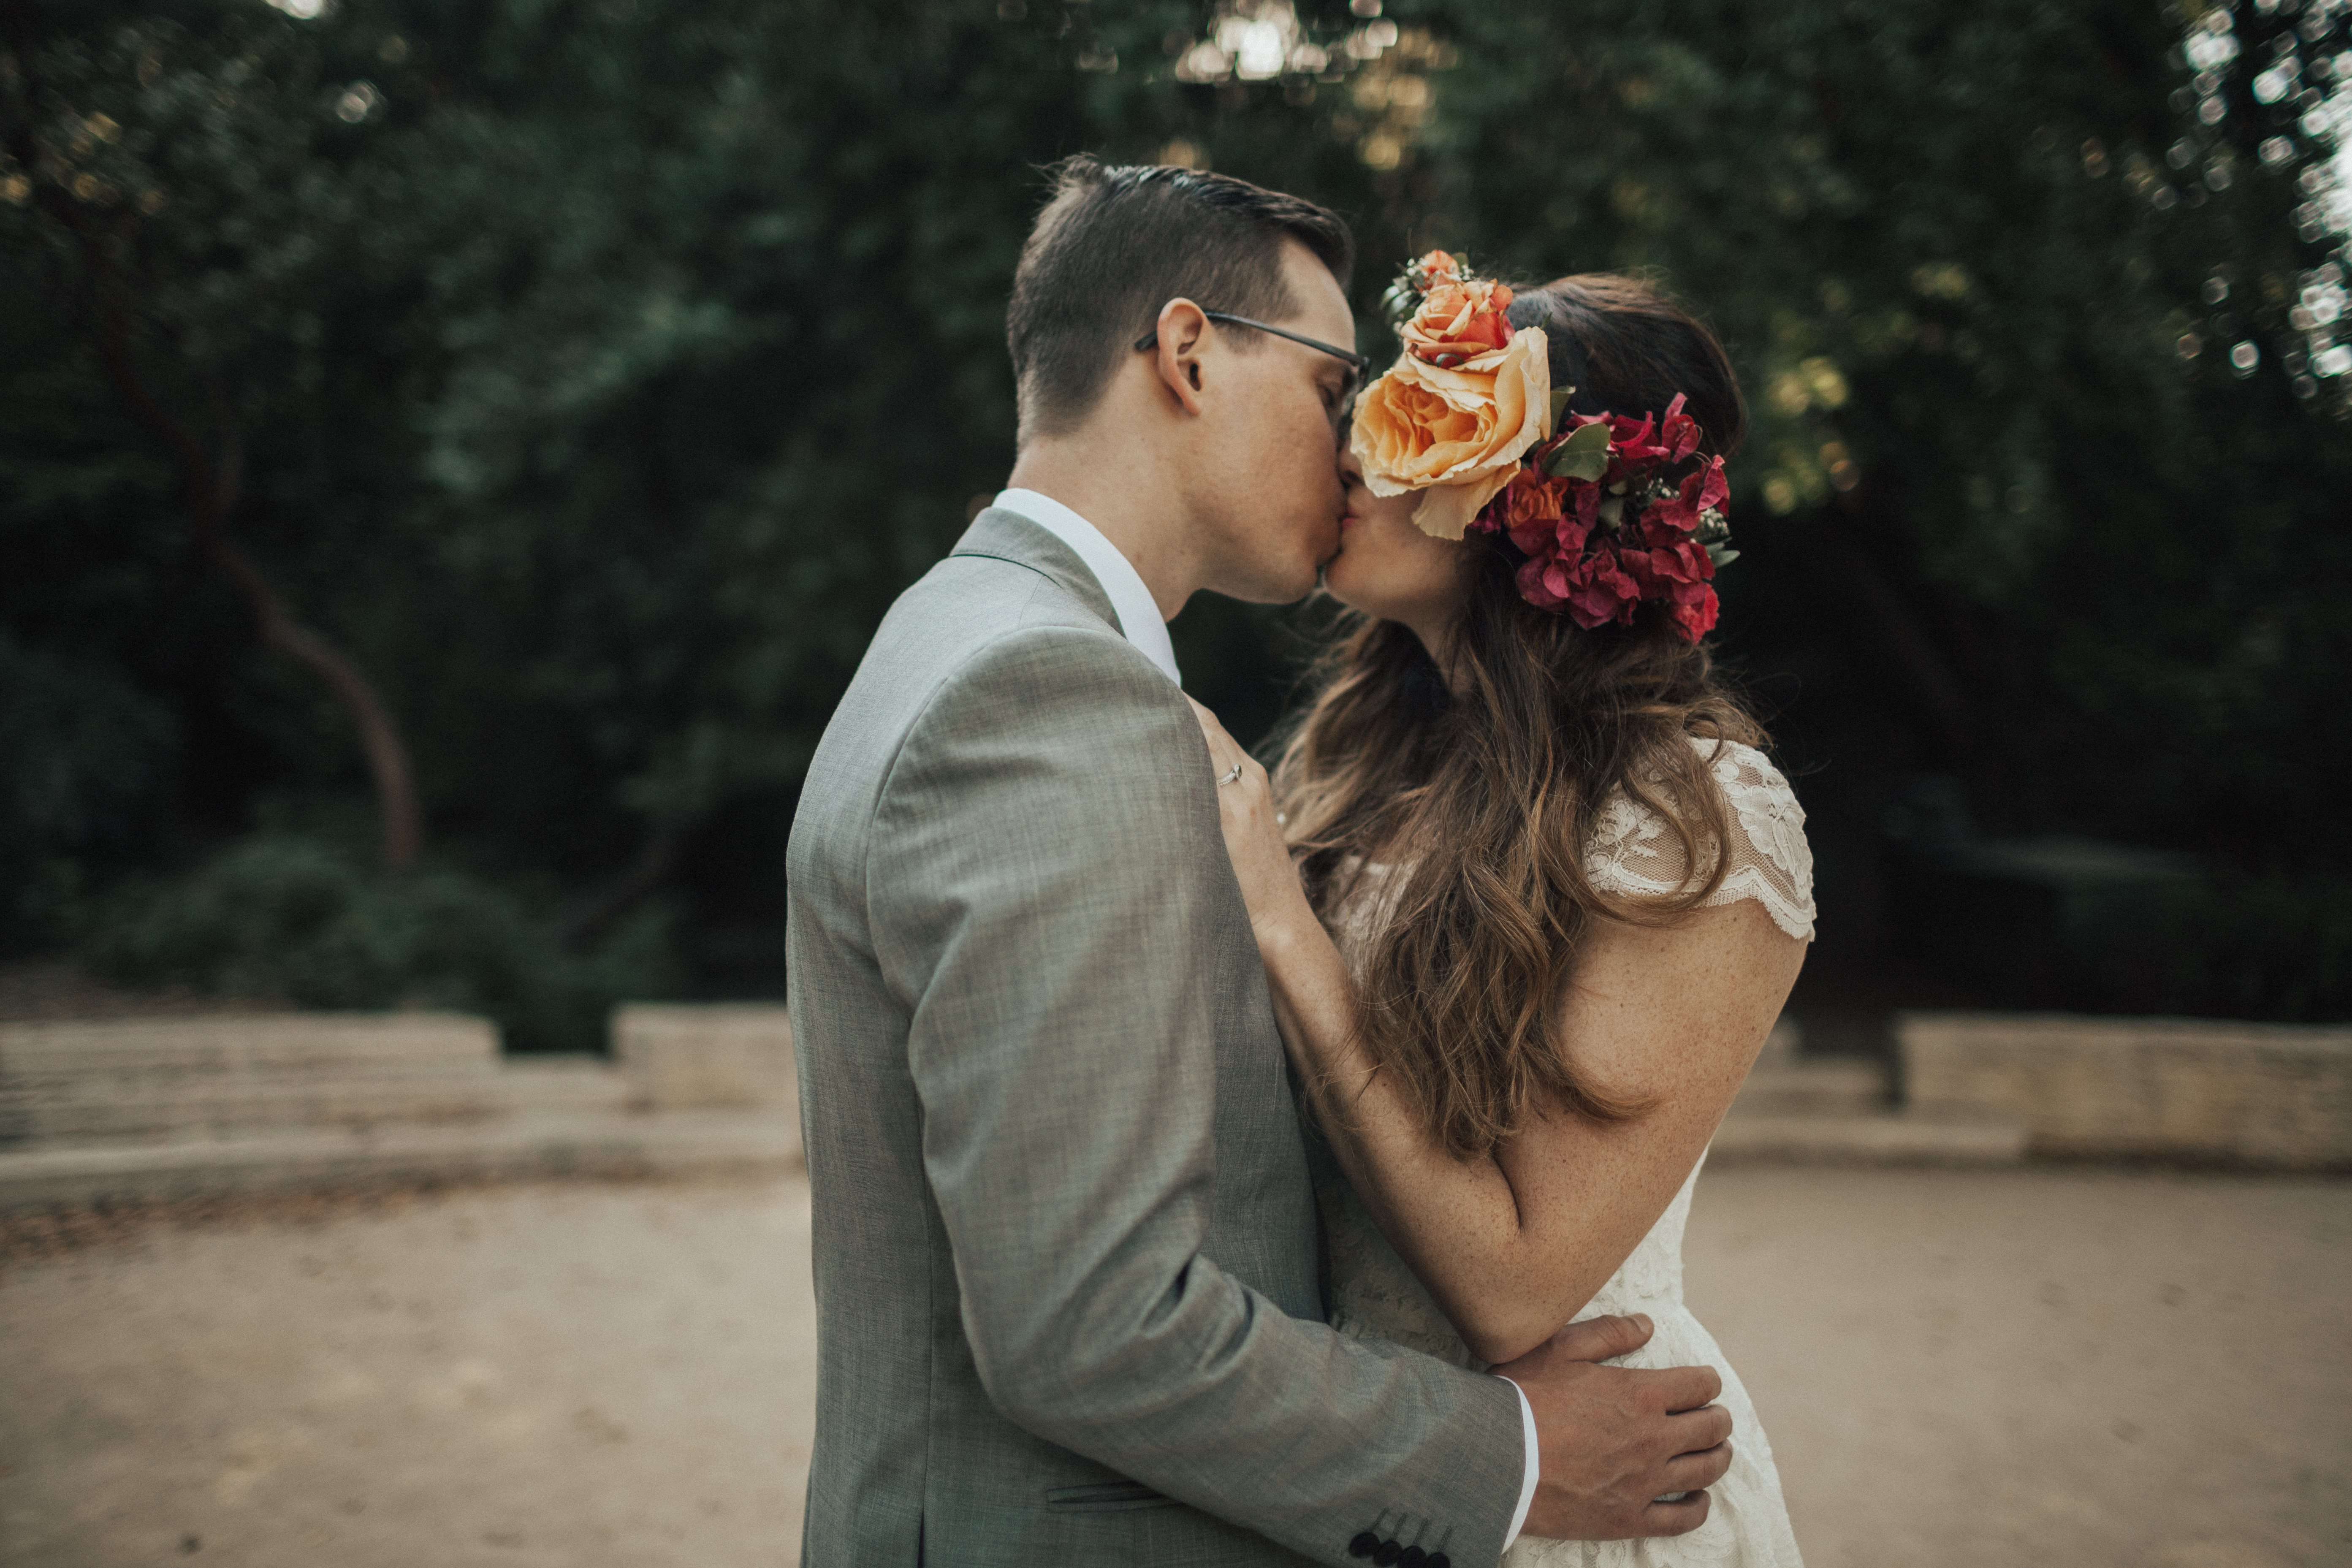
{"x":1607,"y":529}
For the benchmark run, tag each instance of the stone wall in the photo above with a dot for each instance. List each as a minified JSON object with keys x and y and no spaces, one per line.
{"x":709,"y":1056}
{"x":2259,"y":1094}
{"x":179,"y":1107}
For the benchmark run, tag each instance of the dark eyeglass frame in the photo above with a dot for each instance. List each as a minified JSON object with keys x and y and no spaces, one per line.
{"x":1356,"y":364}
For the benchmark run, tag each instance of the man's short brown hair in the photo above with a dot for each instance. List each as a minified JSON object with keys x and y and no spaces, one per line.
{"x":1116,"y":243}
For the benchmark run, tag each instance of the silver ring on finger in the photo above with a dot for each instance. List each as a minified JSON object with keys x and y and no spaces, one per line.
{"x":1230,"y":776}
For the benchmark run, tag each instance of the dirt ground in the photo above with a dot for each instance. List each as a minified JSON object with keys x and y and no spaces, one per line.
{"x":2051,"y":1366}
{"x":2083,"y":1368}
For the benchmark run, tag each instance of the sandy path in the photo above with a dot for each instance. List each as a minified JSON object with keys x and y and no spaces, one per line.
{"x":2077,"y":1368}
{"x":567,"y":1376}
{"x":2067,"y":1367}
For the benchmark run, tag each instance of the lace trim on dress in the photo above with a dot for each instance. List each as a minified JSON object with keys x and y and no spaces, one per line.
{"x":1632,"y":854}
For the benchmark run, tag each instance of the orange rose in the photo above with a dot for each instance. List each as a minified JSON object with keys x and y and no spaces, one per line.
{"x":1437,"y":267}
{"x":1454,"y":433}
{"x":1459,"y":322}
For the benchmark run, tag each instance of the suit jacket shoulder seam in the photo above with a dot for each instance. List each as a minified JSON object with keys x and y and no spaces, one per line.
{"x":1020,"y":627}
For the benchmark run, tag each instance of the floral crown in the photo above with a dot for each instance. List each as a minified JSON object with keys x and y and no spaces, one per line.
{"x":1611,"y":512}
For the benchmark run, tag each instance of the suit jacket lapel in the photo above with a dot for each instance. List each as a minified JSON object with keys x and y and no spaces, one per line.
{"x":1003,"y":535}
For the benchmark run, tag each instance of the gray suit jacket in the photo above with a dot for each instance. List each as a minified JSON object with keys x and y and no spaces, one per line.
{"x":1067,"y":1305}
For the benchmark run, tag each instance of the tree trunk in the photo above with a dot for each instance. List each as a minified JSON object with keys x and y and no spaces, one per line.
{"x":106,"y":303}
{"x":387,"y":755}
{"x":211,"y":484}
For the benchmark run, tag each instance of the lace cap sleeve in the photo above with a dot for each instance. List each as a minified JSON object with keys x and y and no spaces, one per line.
{"x":1633,"y":853}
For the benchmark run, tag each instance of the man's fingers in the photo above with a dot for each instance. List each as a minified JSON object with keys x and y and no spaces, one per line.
{"x":1694,"y":1431}
{"x":1676,"y":1517}
{"x":1597,"y":1339}
{"x":1683,"y":1387}
{"x":1696,"y":1472}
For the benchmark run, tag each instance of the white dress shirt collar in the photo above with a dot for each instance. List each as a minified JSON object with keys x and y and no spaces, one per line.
{"x":1139,"y":614}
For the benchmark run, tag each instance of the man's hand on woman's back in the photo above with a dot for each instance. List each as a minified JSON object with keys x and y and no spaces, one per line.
{"x":1613,"y":1440}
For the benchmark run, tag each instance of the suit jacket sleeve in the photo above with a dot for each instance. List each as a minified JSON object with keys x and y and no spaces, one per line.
{"x":1042,"y":858}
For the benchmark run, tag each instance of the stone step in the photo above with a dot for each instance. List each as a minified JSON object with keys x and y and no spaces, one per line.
{"x":229,"y":1106}
{"x":120,"y":1055}
{"x":2256,"y":1096}
{"x":1881,"y":1140}
{"x":526,"y":1145}
{"x":1816,"y":1086}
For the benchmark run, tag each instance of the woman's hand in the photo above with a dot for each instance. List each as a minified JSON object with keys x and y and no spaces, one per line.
{"x":1314,"y":1000}
{"x":1253,"y":838}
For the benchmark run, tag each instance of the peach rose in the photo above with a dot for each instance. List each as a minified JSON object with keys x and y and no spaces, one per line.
{"x":1454,"y":433}
{"x":1437,"y":267}
{"x":1457,"y":321}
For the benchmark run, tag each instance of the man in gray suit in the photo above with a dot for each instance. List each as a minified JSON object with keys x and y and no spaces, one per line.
{"x":1066,"y":1262}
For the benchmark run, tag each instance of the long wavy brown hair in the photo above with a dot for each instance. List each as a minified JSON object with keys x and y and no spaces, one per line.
{"x":1489,"y":788}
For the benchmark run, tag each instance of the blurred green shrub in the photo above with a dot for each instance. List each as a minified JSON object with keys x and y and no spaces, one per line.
{"x":304,"y":919}
{"x":2080,"y":925}
{"x":80,"y":750}
{"x":2265,"y":947}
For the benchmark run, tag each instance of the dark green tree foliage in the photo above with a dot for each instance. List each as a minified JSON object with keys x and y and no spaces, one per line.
{"x":178,"y":206}
{"x":2032,"y":528}
{"x":600,"y":371}
{"x":1930,"y":235}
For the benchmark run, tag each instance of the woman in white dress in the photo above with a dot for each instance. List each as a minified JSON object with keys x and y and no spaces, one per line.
{"x":1528,"y":894}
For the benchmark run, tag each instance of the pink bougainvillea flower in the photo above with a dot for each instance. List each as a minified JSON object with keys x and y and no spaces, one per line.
{"x":1661,"y":570}
{"x":1692,"y":608}
{"x":1634,"y":450}
{"x":1596,"y":589}
{"x":1703,"y":492}
{"x":1532,"y":587}
{"x":1679,"y":434}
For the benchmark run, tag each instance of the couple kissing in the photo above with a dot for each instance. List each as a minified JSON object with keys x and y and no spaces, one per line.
{"x":1213,"y":1165}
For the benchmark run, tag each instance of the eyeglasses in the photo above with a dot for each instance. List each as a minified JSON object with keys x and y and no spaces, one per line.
{"x":1356,"y":364}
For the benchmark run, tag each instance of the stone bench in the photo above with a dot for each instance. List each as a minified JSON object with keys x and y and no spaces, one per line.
{"x":159,"y":1052}
{"x":709,"y":1056}
{"x":173,"y":1106}
{"x":2277,"y":1096}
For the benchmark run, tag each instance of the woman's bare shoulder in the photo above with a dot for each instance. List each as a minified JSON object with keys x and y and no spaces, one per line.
{"x":1648,"y":1009}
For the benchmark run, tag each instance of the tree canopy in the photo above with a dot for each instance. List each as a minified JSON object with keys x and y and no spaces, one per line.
{"x":533,"y":405}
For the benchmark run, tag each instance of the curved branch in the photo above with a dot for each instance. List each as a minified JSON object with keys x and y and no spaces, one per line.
{"x":387,"y":755}
{"x":211,"y":486}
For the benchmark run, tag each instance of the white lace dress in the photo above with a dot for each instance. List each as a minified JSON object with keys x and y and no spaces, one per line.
{"x":1374,"y":1294}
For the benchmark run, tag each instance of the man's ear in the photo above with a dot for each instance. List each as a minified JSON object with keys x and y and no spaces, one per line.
{"x":1183,"y":326}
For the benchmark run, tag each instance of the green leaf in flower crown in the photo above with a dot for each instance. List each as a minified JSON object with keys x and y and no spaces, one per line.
{"x":1584,"y":456}
{"x":1559,"y":396}
{"x":1403,"y":299}
{"x":1722,"y":554}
